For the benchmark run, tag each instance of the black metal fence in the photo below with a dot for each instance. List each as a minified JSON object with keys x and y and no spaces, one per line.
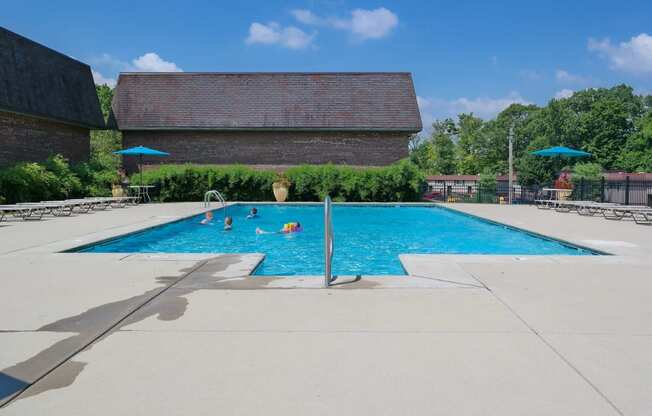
{"x":626,"y":192}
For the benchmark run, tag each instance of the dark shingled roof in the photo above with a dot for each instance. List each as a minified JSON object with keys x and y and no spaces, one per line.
{"x":267,"y":101}
{"x":37,"y":81}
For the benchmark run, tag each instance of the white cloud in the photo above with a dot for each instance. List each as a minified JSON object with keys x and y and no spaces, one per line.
{"x":307,"y":17}
{"x":633,"y":56}
{"x":100,"y":79}
{"x":565,"y":93}
{"x":108,"y":64}
{"x":372,"y":24}
{"x":151,"y":62}
{"x":362,"y":23}
{"x":272,"y":33}
{"x":484,"y":107}
{"x":566,"y":77}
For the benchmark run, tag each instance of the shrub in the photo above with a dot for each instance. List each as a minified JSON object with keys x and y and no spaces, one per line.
{"x":399,"y":182}
{"x":29,"y":181}
{"x":190,"y":182}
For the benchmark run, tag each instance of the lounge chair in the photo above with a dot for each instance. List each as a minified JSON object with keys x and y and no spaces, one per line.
{"x":546,"y":203}
{"x":640,"y":214}
{"x":26,"y":212}
{"x":56,"y":208}
{"x":590,"y":208}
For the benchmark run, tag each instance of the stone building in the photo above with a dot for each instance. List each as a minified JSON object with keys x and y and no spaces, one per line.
{"x":48,"y":103}
{"x":268,"y":119}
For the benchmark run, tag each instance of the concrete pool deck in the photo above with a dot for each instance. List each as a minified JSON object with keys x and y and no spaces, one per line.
{"x":192,"y":334}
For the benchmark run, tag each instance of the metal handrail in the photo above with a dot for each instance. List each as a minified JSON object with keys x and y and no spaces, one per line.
{"x":216,"y":194}
{"x":329,"y":244}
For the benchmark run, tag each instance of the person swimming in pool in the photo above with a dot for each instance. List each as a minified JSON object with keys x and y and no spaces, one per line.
{"x":253,"y":213}
{"x":228,"y":223}
{"x":208,"y":218}
{"x":289,"y":228}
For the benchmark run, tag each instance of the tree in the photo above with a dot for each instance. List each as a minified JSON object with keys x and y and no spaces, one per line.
{"x":471,"y":145}
{"x":444,"y":154}
{"x":536,"y":170}
{"x":101,"y":170}
{"x":436,"y":154}
{"x":105,"y":95}
{"x":586,"y":170}
{"x":614,"y":124}
{"x":423,"y":155}
{"x":637,"y":153}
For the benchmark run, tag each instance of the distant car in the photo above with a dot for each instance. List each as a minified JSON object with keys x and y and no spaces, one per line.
{"x":433,"y":195}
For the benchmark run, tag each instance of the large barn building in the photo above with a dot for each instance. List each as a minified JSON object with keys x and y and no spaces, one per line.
{"x":48,"y":103}
{"x":268,"y":119}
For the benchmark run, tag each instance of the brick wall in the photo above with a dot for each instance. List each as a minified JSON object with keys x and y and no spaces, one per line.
{"x":24,"y":138}
{"x":270,"y":147}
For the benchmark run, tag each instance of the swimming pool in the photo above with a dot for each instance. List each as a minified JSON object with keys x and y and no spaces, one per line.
{"x":368,"y":239}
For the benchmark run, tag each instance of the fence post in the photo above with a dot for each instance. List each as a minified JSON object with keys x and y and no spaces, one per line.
{"x":627,"y":190}
{"x":602,"y":189}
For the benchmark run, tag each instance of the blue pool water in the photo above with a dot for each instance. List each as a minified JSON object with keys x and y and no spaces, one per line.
{"x":368,"y":239}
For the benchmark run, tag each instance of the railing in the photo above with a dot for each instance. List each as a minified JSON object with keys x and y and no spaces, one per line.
{"x":626,"y":192}
{"x":213,"y":193}
{"x":328,"y":242}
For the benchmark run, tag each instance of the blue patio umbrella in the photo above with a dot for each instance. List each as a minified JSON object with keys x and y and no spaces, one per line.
{"x":140,"y":151}
{"x":561,"y":151}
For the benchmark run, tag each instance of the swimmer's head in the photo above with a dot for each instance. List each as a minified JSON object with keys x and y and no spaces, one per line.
{"x":209,"y":215}
{"x":228,"y":221}
{"x":254,"y":211}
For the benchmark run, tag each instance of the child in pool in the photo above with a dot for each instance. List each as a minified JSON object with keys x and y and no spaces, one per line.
{"x":289,"y":228}
{"x":208,"y":217}
{"x":228,"y":223}
{"x":253,"y":213}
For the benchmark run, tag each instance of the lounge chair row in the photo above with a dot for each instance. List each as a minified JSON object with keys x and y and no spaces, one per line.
{"x":36,"y":210}
{"x":610,"y":211}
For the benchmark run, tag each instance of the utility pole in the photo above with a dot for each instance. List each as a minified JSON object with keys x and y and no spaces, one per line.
{"x":511,"y":167}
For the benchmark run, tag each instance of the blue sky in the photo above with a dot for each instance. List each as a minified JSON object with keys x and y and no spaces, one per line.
{"x":465,"y":55}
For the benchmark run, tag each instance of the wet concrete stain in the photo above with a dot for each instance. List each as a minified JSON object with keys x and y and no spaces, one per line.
{"x":66,"y":375}
{"x":51,"y":368}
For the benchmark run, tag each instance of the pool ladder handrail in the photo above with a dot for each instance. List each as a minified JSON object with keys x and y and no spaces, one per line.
{"x":216,"y":194}
{"x":329,"y":244}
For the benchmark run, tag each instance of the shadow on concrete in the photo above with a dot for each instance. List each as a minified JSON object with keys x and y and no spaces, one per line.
{"x":338,"y":281}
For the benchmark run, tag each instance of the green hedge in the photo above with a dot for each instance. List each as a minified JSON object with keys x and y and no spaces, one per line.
{"x":53,"y":179}
{"x":402,"y":181}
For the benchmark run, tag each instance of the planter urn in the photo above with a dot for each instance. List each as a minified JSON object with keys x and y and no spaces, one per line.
{"x":280,"y":191}
{"x":117,"y":191}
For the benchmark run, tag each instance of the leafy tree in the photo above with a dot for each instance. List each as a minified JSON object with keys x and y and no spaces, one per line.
{"x":105,"y":95}
{"x":436,"y":154}
{"x":586,"y":170}
{"x":444,"y":154}
{"x":536,"y":170}
{"x":637,"y":153}
{"x":471,"y":145}
{"x":105,"y":142}
{"x":423,"y":155}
